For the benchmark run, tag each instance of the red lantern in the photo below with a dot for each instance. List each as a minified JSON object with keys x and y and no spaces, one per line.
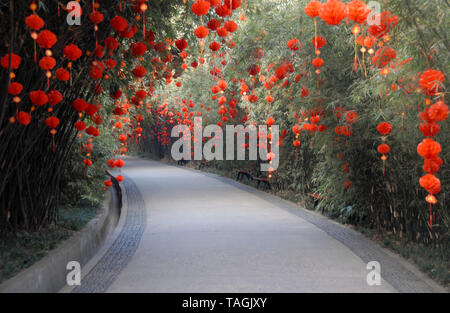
{"x":54,"y":97}
{"x":201,"y":32}
{"x":294,"y":44}
{"x":15,"y":88}
{"x":118,"y":23}
{"x":34,"y":22}
{"x":62,"y":74}
{"x":429,"y":148}
{"x":357,"y":11}
{"x":200,"y":7}
{"x":384,"y":128}
{"x":72,"y":52}
{"x":15,"y":61}
{"x":312,"y":8}
{"x":332,"y":12}
{"x":38,"y":97}
{"x":23,"y":118}
{"x":46,"y":39}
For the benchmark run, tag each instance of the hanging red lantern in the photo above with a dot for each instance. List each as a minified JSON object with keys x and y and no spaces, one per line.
{"x":384,"y":128}
{"x":312,"y":8}
{"x":38,"y":98}
{"x":96,"y":17}
{"x":46,"y":39}
{"x":34,"y":22}
{"x":429,"y":148}
{"x":181,"y":44}
{"x":118,"y":23}
{"x":201,"y":32}
{"x":357,"y":11}
{"x":23,"y":118}
{"x":332,"y":12}
{"x":294,"y":44}
{"x":62,"y":74}
{"x":15,"y":61}
{"x":72,"y":52}
{"x":200,"y":7}
{"x":54,"y":97}
{"x":15,"y":88}
{"x":318,"y":42}
{"x":52,"y":122}
{"x":47,"y":63}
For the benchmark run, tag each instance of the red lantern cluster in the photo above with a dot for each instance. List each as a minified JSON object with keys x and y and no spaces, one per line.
{"x":431,"y":83}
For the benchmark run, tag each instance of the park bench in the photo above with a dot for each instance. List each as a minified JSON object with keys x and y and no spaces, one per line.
{"x":203,"y":164}
{"x":182,"y":162}
{"x":241,"y":174}
{"x":262,"y":181}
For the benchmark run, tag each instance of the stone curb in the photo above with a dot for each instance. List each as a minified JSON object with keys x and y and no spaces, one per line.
{"x":49,"y":274}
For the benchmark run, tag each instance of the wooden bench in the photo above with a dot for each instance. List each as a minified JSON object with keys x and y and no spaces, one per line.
{"x":265,"y":182}
{"x":241,"y":174}
{"x":182,"y":162}
{"x":203,"y":164}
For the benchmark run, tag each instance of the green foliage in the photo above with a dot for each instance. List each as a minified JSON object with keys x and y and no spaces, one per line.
{"x":393,"y":203}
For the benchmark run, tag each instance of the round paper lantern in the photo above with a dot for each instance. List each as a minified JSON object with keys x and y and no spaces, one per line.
{"x":270,"y":121}
{"x":62,"y":74}
{"x":231,"y":26}
{"x":201,"y":32}
{"x":384,"y":128}
{"x":138,"y":49}
{"x":79,"y":105}
{"x":318,"y":42}
{"x":181,"y":44}
{"x":213,"y":24}
{"x":438,"y":111}
{"x":46,"y":39}
{"x":38,"y":98}
{"x":429,"y":148}
{"x":357,"y":11}
{"x":139,"y":71}
{"x":34,"y":22}
{"x":15,"y":61}
{"x":72,"y":52}
{"x":222,"y":32}
{"x":111,"y":43}
{"x":52,"y":122}
{"x":432,"y":165}
{"x":15,"y":88}
{"x":96,"y":17}
{"x":429,"y":129}
{"x":431,"y":184}
{"x":23,"y":118}
{"x":118,"y":23}
{"x":200,"y":7}
{"x":317,"y":62}
{"x":431,"y":81}
{"x":294,"y":44}
{"x":332,"y":12}
{"x":47,"y":63}
{"x":80,"y":125}
{"x":214,"y":46}
{"x":312,"y":8}
{"x":54,"y":97}
{"x":384,"y":148}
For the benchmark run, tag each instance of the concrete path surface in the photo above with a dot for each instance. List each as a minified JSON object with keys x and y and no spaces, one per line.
{"x":186,"y":231}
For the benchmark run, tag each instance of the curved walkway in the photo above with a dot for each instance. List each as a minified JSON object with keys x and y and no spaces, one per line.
{"x":187,"y":231}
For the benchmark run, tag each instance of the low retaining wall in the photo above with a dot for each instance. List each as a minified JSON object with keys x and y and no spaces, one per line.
{"x":49,"y":273}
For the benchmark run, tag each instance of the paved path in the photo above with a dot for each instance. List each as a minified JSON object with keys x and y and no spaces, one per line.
{"x":186,"y":231}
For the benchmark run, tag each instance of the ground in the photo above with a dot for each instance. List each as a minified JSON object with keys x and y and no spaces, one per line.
{"x":186,"y":231}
